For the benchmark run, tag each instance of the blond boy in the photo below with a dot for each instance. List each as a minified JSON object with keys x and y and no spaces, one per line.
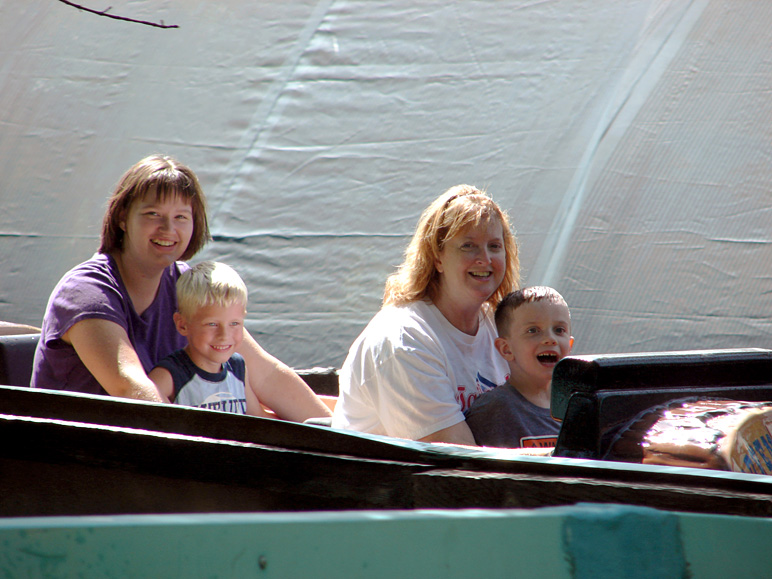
{"x":208,"y":373}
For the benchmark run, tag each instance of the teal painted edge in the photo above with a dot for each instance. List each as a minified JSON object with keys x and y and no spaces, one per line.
{"x":718,"y":547}
{"x":372,"y":544}
{"x":559,"y":542}
{"x":629,"y":542}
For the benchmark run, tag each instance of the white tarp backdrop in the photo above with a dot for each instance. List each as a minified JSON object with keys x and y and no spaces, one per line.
{"x":629,"y":141}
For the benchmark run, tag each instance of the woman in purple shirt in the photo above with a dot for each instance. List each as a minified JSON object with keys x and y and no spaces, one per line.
{"x":110,"y":319}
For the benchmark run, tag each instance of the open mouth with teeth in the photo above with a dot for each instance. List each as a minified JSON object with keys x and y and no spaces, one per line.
{"x":164,"y":242}
{"x":480,"y":274}
{"x":548,"y":358}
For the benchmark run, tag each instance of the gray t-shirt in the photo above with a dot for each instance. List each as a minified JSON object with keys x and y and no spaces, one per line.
{"x":505,"y":418}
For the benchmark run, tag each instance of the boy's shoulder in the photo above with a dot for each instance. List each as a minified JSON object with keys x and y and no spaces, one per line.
{"x":504,"y":396}
{"x":495,"y":397}
{"x":505,"y":390}
{"x":179,"y":361}
{"x":237,"y":365}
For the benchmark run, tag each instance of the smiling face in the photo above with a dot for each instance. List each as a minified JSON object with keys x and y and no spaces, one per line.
{"x":156,"y":232}
{"x":214,"y":333}
{"x":471,"y":266}
{"x":538,"y":337}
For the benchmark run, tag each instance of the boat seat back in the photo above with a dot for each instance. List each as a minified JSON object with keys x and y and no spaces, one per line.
{"x":16,"y":355}
{"x":323,"y":381}
{"x":596,"y":396}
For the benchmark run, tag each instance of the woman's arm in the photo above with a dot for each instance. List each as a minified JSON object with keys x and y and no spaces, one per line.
{"x":254,"y":408}
{"x":164,"y":381}
{"x":457,"y":434}
{"x":277,"y":386}
{"x":106,"y":351}
{"x":402,"y":390}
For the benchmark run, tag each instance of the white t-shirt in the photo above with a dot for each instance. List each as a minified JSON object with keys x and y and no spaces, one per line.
{"x":411,"y":372}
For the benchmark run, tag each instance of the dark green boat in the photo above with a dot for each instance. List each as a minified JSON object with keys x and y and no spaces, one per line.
{"x":74,"y":454}
{"x":97,"y":486}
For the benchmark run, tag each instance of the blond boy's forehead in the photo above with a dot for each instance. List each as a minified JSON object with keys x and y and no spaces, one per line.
{"x":216,"y":308}
{"x":226,"y":302}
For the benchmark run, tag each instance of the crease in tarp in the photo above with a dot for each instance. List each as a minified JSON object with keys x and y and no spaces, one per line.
{"x":259,"y":128}
{"x":631,"y":316}
{"x":640,"y":78}
{"x":31,"y":235}
{"x":305,"y":235}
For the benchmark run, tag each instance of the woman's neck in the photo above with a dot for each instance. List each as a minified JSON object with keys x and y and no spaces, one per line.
{"x":141,"y":285}
{"x":465,"y":319}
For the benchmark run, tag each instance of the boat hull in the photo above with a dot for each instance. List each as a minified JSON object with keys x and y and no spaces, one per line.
{"x":86,"y":455}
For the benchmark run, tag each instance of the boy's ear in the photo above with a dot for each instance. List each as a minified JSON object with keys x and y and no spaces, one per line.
{"x":502,"y":346}
{"x":181,"y":323}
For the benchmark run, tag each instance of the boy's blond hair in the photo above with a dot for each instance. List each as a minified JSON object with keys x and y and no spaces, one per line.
{"x":209,"y":283}
{"x":527,"y":295}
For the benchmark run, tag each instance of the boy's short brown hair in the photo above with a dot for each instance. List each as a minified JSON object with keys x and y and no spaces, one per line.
{"x":527,"y":295}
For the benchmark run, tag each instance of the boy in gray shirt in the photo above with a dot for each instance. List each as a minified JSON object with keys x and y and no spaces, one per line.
{"x":534,"y":327}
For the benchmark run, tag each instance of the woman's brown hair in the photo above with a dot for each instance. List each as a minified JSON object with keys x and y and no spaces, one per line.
{"x":165,"y":178}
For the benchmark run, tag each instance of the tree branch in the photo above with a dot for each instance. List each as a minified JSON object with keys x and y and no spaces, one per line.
{"x":113,"y":16}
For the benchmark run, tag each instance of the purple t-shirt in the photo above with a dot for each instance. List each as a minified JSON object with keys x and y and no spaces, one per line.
{"x":94,"y":289}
